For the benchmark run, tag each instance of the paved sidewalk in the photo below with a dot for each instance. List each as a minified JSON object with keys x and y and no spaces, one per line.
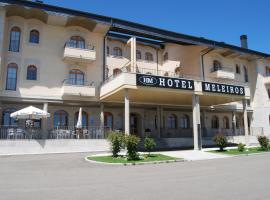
{"x":193,"y":155}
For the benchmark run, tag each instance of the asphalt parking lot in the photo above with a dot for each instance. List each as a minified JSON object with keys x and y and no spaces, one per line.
{"x":70,"y":177}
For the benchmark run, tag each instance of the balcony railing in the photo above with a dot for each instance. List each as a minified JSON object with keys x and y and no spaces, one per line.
{"x":227,"y":69}
{"x":138,"y":70}
{"x":68,"y":132}
{"x":71,"y":44}
{"x":78,"y":82}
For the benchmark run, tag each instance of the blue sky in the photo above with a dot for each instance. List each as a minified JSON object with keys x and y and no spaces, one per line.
{"x":221,"y":20}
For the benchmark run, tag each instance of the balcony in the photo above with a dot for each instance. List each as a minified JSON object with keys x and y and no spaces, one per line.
{"x":75,"y":54}
{"x":223,"y":73}
{"x":84,"y":89}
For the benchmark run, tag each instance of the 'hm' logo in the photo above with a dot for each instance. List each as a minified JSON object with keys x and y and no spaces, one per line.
{"x":148,"y":80}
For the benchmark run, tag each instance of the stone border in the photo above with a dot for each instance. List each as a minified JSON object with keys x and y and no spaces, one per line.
{"x":138,"y":163}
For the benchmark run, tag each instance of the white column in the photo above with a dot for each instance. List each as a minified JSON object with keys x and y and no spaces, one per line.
{"x":44,"y":124}
{"x":234,"y":123}
{"x":196,"y":121}
{"x":127,"y":114}
{"x":245,"y":122}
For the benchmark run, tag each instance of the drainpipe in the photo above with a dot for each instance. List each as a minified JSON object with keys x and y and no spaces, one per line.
{"x":202,"y":60}
{"x":104,"y":57}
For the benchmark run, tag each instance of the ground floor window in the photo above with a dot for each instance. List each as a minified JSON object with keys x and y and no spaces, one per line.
{"x":108,"y":119}
{"x":215,"y":122}
{"x":172,"y":119}
{"x":84,"y":118}
{"x":60,"y":119}
{"x":184,"y":122}
{"x":226,"y":124}
{"x":33,"y":123}
{"x":7,"y":120}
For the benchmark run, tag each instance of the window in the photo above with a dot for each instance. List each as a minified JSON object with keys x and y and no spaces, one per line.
{"x":108,"y":120}
{"x":60,"y":119}
{"x":215,"y":122}
{"x":172,"y":119}
{"x":148,"y":56}
{"x":34,"y":37}
{"x":116,"y":71}
{"x":237,"y":123}
{"x":268,"y":91}
{"x":117,"y":51}
{"x":245,"y":74}
{"x":76,"y":77}
{"x":226,"y":124}
{"x":107,"y":71}
{"x":11,"y":79}
{"x":84,"y":118}
{"x":237,"y":69}
{"x":77,"y":42}
{"x":166,"y":57}
{"x":138,"y":55}
{"x":267,"y":71}
{"x":216,"y":65}
{"x":108,"y":50}
{"x":31,"y":73}
{"x":6,"y":119}
{"x":184,"y":121}
{"x":14,"y":43}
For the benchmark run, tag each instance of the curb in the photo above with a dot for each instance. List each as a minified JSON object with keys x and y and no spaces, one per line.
{"x":138,"y":163}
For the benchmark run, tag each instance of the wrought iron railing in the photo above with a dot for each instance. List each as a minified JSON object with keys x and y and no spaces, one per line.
{"x":71,"y":44}
{"x":78,"y":82}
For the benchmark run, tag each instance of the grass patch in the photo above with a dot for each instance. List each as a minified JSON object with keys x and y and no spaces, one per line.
{"x":236,"y":152}
{"x":123,"y":159}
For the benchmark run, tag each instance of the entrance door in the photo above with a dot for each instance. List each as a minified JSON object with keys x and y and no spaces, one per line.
{"x":133,"y":124}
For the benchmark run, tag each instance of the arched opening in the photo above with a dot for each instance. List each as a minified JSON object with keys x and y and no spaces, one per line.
{"x":6,"y":119}
{"x":215,"y":122}
{"x":11,"y":78}
{"x":108,"y":120}
{"x":172,"y":121}
{"x":216,"y":65}
{"x":77,"y":42}
{"x":84,"y":119}
{"x":226,"y":124}
{"x":15,"y":36}
{"x":60,"y":119}
{"x":138,"y":55}
{"x":117,"y":51}
{"x":184,"y":122}
{"x":76,"y":77}
{"x":149,"y":57}
{"x":31,"y":72}
{"x":135,"y":124}
{"x":34,"y":37}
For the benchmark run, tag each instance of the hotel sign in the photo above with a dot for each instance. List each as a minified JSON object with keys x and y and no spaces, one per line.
{"x":223,"y":88}
{"x":164,"y":82}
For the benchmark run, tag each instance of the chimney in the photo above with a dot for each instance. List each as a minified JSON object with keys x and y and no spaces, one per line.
{"x":244,"y":43}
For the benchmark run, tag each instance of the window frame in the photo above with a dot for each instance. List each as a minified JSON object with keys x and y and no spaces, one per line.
{"x":34,"y":39}
{"x":10,"y":66}
{"x":28,"y":75}
{"x":16,"y":40}
{"x":76,"y":80}
{"x":61,"y":113}
{"x":117,"y":52}
{"x":172,"y":121}
{"x":149,"y":57}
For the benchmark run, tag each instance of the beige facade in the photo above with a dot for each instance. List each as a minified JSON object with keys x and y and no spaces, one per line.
{"x":80,"y":64}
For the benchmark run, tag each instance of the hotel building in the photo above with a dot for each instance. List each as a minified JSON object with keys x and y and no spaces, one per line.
{"x":177,"y":88}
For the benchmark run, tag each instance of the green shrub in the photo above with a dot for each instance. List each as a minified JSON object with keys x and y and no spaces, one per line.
{"x":264,"y":142}
{"x":221,"y":141}
{"x":149,"y":144}
{"x":241,"y":147}
{"x":131,"y":143}
{"x":116,"y":142}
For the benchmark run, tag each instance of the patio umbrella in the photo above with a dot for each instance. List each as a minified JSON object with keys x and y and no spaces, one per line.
{"x":30,"y":112}
{"x":79,"y":122}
